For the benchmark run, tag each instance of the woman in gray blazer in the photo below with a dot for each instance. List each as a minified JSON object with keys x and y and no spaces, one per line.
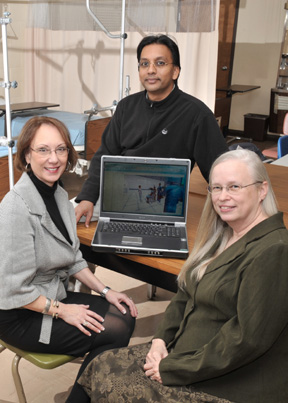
{"x":39,"y":251}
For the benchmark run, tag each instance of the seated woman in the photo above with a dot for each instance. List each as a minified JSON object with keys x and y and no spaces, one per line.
{"x":225,"y":333}
{"x":39,"y":250}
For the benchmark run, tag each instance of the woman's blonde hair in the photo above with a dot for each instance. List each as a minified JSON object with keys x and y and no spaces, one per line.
{"x":212,"y":230}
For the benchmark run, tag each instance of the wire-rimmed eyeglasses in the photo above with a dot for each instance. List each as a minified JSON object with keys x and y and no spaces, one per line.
{"x":233,"y":189}
{"x":45,"y":151}
{"x":158,"y":64}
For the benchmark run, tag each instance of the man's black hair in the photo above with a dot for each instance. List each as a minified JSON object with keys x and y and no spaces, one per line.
{"x":160,"y":40}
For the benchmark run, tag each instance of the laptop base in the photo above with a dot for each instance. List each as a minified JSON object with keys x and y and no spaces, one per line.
{"x":136,"y":251}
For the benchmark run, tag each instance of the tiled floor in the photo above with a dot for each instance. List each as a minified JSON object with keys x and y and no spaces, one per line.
{"x":42,"y":386}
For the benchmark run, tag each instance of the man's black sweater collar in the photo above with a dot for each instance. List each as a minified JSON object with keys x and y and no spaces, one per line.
{"x":170,"y":99}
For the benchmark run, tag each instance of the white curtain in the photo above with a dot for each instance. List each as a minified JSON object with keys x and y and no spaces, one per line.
{"x":78,"y":68}
{"x":145,"y":15}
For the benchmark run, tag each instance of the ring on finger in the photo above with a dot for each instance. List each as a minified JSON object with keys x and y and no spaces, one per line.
{"x":85,"y":323}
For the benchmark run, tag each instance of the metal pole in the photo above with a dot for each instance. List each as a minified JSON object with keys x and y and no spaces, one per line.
{"x":98,"y":22}
{"x":122,"y":36}
{"x":122,"y":47}
{"x":6,"y":84}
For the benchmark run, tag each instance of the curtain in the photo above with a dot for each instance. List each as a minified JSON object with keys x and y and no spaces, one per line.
{"x":145,"y":15}
{"x":80,"y":68}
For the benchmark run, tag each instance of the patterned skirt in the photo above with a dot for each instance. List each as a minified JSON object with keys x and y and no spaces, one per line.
{"x":117,"y":376}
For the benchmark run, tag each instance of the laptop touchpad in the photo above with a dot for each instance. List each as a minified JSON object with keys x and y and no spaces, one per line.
{"x":135,"y":240}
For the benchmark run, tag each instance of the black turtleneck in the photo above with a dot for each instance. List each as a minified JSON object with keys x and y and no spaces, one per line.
{"x":47,"y":194}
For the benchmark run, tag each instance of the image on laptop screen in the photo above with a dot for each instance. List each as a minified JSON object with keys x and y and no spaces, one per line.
{"x":144,"y":188}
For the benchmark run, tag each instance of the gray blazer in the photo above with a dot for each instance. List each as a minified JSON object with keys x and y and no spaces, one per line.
{"x":36,"y":259}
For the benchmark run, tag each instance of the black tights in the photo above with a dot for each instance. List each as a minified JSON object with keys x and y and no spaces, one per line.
{"x":21,"y":328}
{"x":117,"y":334}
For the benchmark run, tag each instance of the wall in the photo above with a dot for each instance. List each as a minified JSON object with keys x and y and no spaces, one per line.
{"x":257,"y":52}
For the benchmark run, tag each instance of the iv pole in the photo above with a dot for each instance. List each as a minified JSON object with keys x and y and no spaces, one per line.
{"x":121,"y":36}
{"x":7,"y":141}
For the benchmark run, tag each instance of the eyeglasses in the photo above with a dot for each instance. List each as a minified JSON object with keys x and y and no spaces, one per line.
{"x":233,"y":189}
{"x":159,"y":64}
{"x":44,"y":151}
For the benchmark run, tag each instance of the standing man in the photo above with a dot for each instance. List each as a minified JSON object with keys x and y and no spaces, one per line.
{"x":161,"y":121}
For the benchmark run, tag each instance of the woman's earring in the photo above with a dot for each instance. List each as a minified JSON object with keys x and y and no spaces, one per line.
{"x":68,"y":166}
{"x":28,"y":167}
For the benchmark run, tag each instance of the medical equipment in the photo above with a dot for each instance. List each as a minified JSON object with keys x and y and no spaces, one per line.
{"x":7,"y":141}
{"x":122,"y":36}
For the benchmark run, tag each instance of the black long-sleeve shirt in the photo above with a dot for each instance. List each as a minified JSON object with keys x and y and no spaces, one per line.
{"x":180,"y":126}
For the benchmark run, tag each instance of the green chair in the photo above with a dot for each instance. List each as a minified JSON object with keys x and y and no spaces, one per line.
{"x":45,"y":361}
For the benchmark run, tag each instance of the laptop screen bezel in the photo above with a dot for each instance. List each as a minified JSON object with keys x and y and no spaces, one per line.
{"x":163,"y":218}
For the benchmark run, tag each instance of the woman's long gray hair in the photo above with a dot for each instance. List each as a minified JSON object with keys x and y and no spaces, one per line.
{"x":212,"y":229}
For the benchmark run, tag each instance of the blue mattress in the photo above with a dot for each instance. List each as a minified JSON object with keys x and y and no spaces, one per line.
{"x":75,"y":123}
{"x":4,"y":151}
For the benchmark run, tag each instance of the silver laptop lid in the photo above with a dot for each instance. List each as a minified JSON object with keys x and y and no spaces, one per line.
{"x":144,"y":189}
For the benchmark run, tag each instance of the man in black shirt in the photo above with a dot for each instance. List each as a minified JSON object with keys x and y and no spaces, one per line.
{"x":161,"y":121}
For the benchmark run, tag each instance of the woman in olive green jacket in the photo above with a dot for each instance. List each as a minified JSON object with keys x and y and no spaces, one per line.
{"x":225,"y":333}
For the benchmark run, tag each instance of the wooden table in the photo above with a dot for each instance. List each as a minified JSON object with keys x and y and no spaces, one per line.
{"x":162,"y":272}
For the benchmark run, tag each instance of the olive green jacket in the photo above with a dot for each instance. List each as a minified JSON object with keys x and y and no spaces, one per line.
{"x":228,"y":334}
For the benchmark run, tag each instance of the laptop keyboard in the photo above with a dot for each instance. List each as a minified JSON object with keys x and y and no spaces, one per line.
{"x":157,"y":230}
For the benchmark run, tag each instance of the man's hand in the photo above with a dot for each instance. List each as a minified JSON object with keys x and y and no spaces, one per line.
{"x":84,"y":208}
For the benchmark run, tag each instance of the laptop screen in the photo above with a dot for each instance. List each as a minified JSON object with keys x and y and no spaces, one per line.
{"x":144,"y":186}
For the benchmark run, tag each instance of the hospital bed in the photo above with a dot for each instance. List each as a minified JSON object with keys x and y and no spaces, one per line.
{"x":75,"y":122}
{"x":85,"y":131}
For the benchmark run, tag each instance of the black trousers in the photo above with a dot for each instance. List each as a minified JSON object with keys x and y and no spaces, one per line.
{"x":21,"y":328}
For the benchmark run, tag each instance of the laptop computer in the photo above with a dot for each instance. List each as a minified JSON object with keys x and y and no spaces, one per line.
{"x":143,"y":206}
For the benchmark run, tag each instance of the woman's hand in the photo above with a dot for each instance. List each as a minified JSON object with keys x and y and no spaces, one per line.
{"x":77,"y":315}
{"x":85,"y":319}
{"x":80,"y":316}
{"x":115,"y":298}
{"x":157,"y":352}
